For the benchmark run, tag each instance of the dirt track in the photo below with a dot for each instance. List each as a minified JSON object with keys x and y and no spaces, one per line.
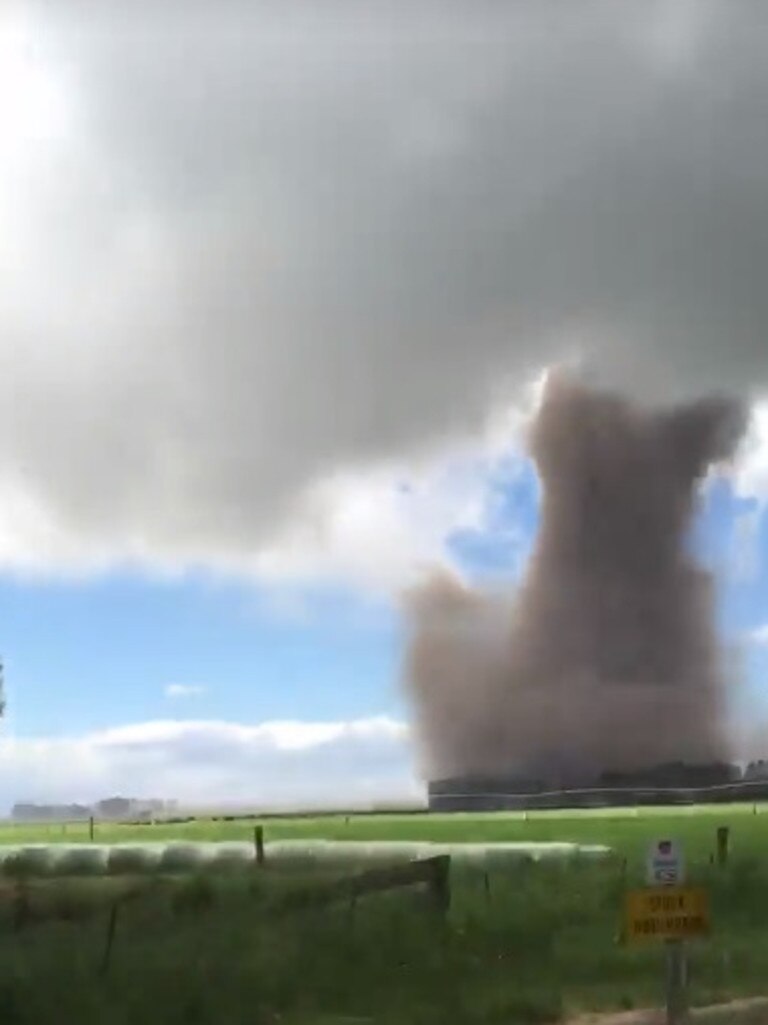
{"x":740,"y":1012}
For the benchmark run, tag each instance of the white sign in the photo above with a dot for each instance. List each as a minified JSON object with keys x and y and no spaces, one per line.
{"x":665,"y":865}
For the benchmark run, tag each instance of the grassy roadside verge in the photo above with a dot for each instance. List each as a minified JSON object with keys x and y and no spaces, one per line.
{"x":527,"y":944}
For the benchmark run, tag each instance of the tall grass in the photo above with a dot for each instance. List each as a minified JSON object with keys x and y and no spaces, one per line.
{"x":522,"y":944}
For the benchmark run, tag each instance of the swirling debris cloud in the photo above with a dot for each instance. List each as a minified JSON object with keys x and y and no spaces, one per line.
{"x":607,"y":658}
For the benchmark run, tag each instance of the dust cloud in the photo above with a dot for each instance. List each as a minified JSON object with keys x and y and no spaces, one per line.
{"x":607,"y":656}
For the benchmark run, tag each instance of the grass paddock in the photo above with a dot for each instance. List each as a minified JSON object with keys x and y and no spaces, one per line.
{"x":522,"y":943}
{"x":625,"y":829}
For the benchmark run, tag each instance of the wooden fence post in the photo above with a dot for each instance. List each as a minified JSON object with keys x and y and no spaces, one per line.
{"x":20,"y":906}
{"x":351,"y":910}
{"x":111,"y":929}
{"x":723,"y":836}
{"x":258,"y":844}
{"x":91,"y":828}
{"x":441,"y":883}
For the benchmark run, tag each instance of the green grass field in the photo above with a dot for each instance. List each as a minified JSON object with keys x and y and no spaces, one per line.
{"x":626,"y":830}
{"x":525,"y":943}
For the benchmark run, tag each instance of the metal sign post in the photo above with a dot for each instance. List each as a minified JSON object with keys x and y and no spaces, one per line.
{"x":665,"y":866}
{"x":668,"y":910}
{"x":677,"y":983}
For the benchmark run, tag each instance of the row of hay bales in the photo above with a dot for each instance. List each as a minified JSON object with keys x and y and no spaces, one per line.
{"x":399,"y":850}
{"x":93,"y":859}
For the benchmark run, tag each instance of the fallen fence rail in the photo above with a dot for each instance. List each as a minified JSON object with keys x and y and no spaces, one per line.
{"x":434,"y":873}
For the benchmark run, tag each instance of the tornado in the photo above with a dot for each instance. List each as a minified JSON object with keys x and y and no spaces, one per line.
{"x":607,"y":656}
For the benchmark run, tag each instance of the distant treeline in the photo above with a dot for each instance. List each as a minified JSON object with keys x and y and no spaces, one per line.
{"x":670,"y":783}
{"x":136,"y":812}
{"x":250,"y":816}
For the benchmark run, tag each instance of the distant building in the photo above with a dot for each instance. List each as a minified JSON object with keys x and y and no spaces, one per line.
{"x":114,"y":808}
{"x":27,"y":812}
{"x":133,"y":808}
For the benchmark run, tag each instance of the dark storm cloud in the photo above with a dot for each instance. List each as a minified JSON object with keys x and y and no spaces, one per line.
{"x":278,"y":240}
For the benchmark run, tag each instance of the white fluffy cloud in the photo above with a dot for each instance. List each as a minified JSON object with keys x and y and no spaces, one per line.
{"x":285,"y":764}
{"x":250,"y":258}
{"x":751,"y":476}
{"x":759,"y":635}
{"x":184,"y":690}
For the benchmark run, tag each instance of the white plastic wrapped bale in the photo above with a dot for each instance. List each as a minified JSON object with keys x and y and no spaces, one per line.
{"x":181,"y":857}
{"x":79,"y":861}
{"x":132,"y":860}
{"x":28,"y":861}
{"x":230,"y":857}
{"x":87,"y":859}
{"x":389,"y":851}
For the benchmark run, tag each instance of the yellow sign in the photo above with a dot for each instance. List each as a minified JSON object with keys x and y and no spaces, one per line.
{"x":666,"y":913}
